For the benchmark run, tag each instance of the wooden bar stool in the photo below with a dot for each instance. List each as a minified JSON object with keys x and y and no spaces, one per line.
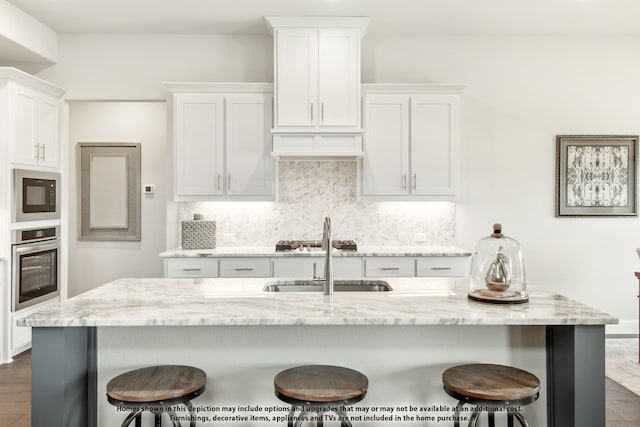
{"x":157,"y":389}
{"x":491,"y":386}
{"x":319,"y":389}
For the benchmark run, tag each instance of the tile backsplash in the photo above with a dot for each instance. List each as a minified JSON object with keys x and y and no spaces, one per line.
{"x":310,"y":190}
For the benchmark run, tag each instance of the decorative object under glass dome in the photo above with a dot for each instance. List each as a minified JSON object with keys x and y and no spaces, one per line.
{"x":497,"y":270}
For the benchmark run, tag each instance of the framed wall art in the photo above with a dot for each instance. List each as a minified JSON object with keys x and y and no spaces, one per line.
{"x":109,"y":191}
{"x":596,"y":175}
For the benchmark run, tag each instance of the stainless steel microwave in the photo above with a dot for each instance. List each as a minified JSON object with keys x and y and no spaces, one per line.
{"x":36,"y":195}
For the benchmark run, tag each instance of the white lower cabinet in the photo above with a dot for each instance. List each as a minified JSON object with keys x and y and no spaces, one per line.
{"x":245,"y":267}
{"x":389,"y":267}
{"x":191,"y":267}
{"x":442,"y":266}
{"x":343,"y":268}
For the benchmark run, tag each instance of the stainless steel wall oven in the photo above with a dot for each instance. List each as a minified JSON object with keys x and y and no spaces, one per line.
{"x":35,"y":269}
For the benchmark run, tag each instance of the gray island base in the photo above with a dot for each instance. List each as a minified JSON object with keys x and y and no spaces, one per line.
{"x":242,"y":337}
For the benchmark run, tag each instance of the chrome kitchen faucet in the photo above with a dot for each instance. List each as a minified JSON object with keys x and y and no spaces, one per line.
{"x":328,"y":261}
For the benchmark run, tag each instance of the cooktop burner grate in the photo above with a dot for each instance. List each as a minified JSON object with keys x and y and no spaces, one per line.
{"x":301,"y":245}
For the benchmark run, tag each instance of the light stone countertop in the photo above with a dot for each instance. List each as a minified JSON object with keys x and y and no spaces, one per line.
{"x":267,"y":251}
{"x":241,"y":301}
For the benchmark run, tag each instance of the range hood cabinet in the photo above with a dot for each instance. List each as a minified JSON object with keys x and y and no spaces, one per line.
{"x":317,"y":111}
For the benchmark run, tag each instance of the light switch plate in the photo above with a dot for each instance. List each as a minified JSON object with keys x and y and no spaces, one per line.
{"x":149,"y":188}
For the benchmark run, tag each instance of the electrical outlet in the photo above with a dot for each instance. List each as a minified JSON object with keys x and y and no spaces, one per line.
{"x":228,"y":237}
{"x":419,"y":237}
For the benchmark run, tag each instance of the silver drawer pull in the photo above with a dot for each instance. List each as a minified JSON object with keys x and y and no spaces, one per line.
{"x":389,"y":268}
{"x":440,"y":268}
{"x":191,"y":269}
{"x":243,"y":269}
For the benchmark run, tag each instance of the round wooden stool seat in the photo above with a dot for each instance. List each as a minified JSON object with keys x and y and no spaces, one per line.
{"x":315,"y":388}
{"x":490,"y":386}
{"x":156,"y":387}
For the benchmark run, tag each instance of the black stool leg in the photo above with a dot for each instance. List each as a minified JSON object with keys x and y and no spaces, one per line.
{"x":521,"y":419}
{"x":301,"y":416}
{"x":292,"y":413}
{"x":320,"y":419}
{"x":473,"y":421}
{"x":456,"y":414}
{"x":509,"y":419}
{"x":189,"y":406}
{"x":344,"y":420}
{"x":492,"y":418}
{"x":135,"y":415}
{"x":157,"y":419}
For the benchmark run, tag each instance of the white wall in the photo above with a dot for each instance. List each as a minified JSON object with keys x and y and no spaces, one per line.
{"x":523,"y":91}
{"x":94,"y":263}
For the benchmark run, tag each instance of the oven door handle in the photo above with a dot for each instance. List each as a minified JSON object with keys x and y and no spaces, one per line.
{"x":37,"y":248}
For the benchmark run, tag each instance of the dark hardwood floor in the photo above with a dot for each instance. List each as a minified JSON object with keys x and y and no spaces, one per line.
{"x":15,"y":392}
{"x":623,"y":407}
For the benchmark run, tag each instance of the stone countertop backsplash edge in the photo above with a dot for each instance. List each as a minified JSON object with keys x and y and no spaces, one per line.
{"x":369,"y":251}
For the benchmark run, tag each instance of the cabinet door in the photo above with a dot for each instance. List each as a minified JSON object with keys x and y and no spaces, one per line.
{"x":303,"y":267}
{"x":296,"y":77}
{"x":433,"y":144}
{"x":47,"y":125}
{"x":23,"y":107}
{"x":199,"y":133}
{"x":338,"y":77}
{"x":250,"y":167}
{"x":386,"y":146}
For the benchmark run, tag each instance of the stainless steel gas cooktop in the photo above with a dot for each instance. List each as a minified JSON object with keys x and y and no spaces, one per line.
{"x":314,"y":245}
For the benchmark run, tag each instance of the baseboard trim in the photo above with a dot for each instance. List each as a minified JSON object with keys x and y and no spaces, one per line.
{"x":626,"y":328}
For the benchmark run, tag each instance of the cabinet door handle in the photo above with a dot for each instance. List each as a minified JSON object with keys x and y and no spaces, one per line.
{"x":389,"y":268}
{"x":440,"y":268}
{"x":43,"y":151}
{"x":404,"y":181}
{"x":244,"y":269}
{"x":415,"y":181}
{"x":228,"y":180}
{"x":219,"y":181}
{"x":322,"y":112}
{"x":191,"y":269}
{"x":36,"y":148}
{"x":312,"y":112}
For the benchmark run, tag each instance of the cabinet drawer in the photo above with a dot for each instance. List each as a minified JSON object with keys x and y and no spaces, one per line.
{"x":343,"y":268}
{"x":442,"y":266}
{"x":389,"y":267}
{"x":191,"y":267}
{"x":245,"y":267}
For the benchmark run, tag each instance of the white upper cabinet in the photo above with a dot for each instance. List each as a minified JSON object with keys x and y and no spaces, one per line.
{"x":198,"y":138}
{"x":250,"y":167}
{"x":317,"y":74}
{"x":411,"y":142}
{"x":35,"y":130}
{"x":222,"y":142}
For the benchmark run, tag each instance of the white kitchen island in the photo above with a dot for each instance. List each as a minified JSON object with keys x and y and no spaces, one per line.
{"x":242,"y":337}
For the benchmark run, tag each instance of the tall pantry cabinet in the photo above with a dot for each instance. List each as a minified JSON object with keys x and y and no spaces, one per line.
{"x":30,"y":129}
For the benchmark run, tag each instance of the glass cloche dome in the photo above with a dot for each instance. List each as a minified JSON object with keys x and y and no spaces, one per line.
{"x":497,"y":270}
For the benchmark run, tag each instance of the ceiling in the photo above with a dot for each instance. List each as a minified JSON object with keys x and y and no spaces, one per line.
{"x":388,"y":17}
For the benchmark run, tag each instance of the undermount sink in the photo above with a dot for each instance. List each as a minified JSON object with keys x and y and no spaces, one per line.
{"x":317,"y":286}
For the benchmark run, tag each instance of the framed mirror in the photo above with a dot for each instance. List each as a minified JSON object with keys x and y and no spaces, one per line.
{"x":109,"y":191}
